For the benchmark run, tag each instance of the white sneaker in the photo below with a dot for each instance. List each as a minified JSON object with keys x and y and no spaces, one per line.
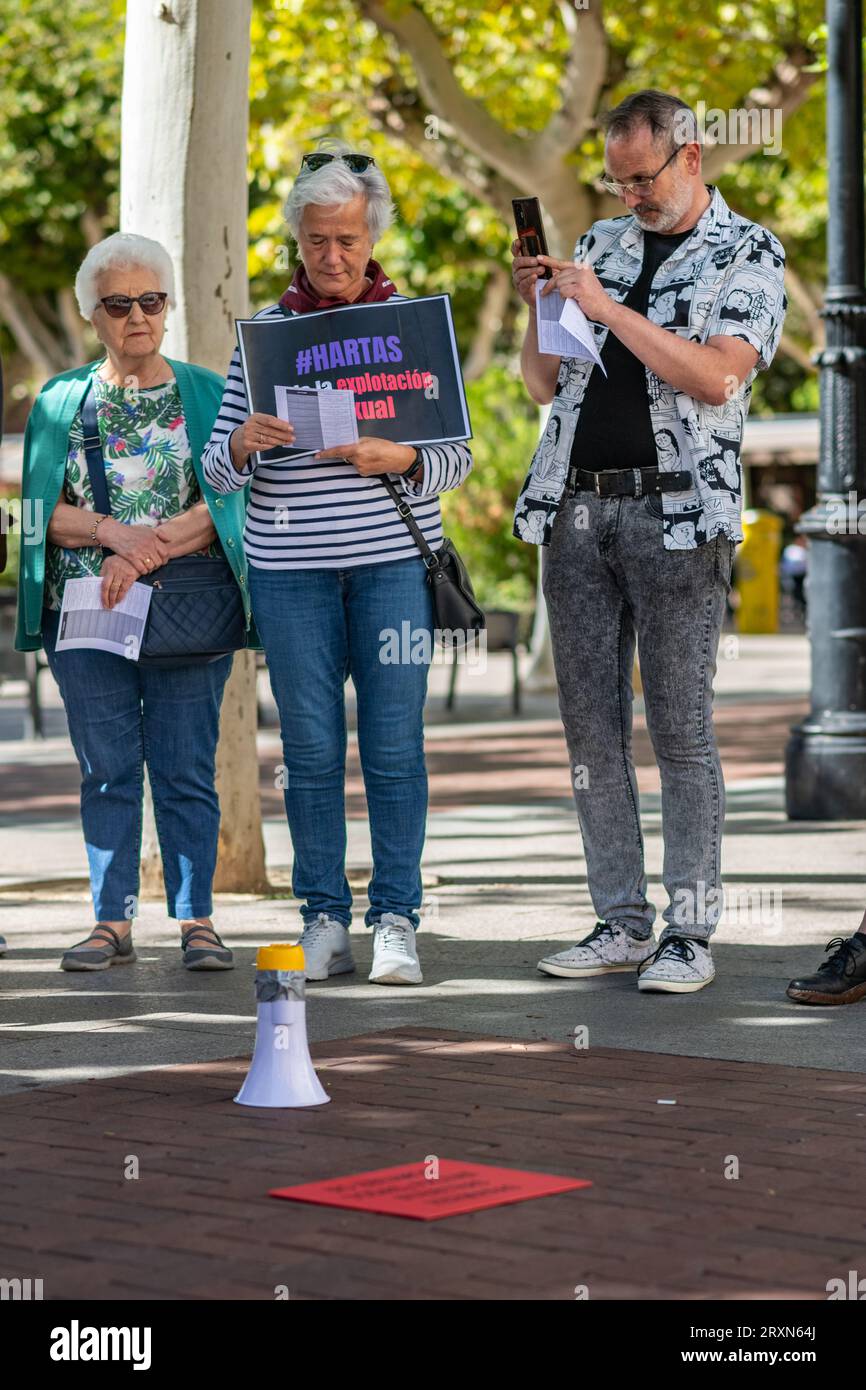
{"x":608,"y":947}
{"x":680,"y":966}
{"x":395,"y":952}
{"x":327,"y":949}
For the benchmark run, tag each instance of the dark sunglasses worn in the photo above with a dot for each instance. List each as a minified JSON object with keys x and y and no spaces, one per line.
{"x":356,"y":162}
{"x":117,"y":306}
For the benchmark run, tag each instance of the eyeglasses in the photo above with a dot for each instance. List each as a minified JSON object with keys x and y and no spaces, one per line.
{"x":117,"y":306}
{"x":356,"y":162}
{"x":639,"y":185}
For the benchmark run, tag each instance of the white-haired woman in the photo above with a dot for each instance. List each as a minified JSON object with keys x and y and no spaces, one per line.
{"x":332,"y":568}
{"x":154,"y":416}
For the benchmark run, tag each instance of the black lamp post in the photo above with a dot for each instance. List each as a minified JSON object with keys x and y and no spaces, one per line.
{"x":826,"y":754}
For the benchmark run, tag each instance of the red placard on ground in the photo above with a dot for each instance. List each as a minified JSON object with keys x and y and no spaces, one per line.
{"x":411,"y":1190}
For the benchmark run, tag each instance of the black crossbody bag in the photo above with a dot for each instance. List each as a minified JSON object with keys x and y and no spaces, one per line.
{"x":457,"y":611}
{"x":196,"y":612}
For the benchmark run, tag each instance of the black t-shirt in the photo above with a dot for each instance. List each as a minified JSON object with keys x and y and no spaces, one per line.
{"x":613,"y":426}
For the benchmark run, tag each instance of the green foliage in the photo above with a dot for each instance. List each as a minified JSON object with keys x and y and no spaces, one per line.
{"x":479,"y":515}
{"x":319,"y":68}
{"x":60,"y":80}
{"x":316,"y":70}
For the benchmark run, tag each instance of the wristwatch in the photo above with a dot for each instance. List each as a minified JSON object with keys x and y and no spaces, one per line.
{"x":416,"y":466}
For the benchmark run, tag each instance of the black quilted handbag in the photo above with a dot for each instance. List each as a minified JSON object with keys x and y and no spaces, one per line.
{"x":196,"y":612}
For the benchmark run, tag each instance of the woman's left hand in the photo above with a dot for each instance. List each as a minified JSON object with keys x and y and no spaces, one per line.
{"x":118,"y":577}
{"x":371,"y":456}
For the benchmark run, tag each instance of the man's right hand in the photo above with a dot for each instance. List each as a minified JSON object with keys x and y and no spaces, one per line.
{"x":525,"y":270}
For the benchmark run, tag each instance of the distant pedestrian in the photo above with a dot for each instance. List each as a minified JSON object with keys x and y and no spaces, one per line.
{"x":794,"y":570}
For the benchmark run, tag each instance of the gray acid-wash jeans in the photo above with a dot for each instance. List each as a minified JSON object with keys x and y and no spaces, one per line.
{"x":609,"y":581}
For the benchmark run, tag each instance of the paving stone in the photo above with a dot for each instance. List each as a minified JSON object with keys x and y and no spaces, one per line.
{"x":661,"y":1217}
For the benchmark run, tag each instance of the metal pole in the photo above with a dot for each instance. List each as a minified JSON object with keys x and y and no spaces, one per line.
{"x":826,"y":754}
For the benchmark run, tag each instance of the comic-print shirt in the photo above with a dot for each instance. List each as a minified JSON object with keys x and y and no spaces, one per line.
{"x":726,"y":278}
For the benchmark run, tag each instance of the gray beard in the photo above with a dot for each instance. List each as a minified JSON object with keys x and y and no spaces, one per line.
{"x":668,"y":217}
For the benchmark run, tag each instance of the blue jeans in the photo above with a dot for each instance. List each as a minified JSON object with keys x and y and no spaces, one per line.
{"x":319,"y":627}
{"x":121,"y":717}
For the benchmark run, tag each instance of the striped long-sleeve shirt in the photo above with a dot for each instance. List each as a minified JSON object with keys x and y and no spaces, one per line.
{"x":325,"y":515}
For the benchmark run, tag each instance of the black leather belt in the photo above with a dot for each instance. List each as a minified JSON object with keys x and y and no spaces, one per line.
{"x":627,"y":482}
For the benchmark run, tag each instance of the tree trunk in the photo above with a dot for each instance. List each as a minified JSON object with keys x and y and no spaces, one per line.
{"x":183,"y":178}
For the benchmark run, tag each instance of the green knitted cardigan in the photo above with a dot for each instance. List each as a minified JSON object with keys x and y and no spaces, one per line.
{"x":46,"y":442}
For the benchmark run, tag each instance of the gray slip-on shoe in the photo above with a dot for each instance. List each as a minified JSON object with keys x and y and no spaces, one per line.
{"x":207,"y":956}
{"x":114,"y":951}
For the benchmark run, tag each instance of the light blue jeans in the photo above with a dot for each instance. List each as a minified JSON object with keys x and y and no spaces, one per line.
{"x":318,"y":627}
{"x":122,"y":716}
{"x":610,"y":582}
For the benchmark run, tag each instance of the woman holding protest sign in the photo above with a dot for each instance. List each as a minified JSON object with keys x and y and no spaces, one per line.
{"x":335,"y":575}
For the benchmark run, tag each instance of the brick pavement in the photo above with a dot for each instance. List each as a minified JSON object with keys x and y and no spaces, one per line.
{"x":661,"y":1221}
{"x":526,"y":764}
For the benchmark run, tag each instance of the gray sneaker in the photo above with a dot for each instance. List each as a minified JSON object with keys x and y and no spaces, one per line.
{"x":608,"y":947}
{"x":110,"y":950}
{"x":327,"y":948}
{"x":681,"y":965}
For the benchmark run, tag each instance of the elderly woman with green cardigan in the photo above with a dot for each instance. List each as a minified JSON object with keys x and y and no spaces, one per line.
{"x":154,"y":417}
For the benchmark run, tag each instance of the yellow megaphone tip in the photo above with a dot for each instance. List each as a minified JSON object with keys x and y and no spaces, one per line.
{"x":281,"y":956}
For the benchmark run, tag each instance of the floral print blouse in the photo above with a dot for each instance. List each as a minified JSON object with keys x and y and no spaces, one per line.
{"x":148,"y":468}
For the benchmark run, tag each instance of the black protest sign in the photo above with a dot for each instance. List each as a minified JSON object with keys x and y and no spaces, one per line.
{"x":399,"y":358}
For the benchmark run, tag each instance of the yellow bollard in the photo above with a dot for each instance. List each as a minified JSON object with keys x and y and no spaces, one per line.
{"x":756,"y":576}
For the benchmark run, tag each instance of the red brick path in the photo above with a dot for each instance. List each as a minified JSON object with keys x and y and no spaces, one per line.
{"x":527,"y":766}
{"x":662,"y":1220}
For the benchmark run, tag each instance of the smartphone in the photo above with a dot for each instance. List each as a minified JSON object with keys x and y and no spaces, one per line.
{"x":530,"y":230}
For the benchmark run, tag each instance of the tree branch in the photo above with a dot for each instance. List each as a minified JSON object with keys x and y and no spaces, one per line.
{"x":34,"y":340}
{"x":73,"y":324}
{"x":445,"y":98}
{"x":582,"y":80}
{"x":797,"y":353}
{"x":785,"y":93}
{"x":400,"y":114}
{"x":805,"y":300}
{"x":491,"y":315}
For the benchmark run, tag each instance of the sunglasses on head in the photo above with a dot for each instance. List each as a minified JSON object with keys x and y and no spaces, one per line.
{"x":117,"y":306}
{"x":356,"y":162}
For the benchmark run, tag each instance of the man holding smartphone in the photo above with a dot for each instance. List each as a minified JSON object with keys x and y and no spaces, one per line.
{"x":640,"y":509}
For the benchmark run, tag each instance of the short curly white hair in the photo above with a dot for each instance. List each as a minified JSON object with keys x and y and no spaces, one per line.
{"x":335,"y":184}
{"x":122,"y":251}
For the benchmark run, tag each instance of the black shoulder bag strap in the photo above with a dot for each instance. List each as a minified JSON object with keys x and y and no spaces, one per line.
{"x":94,"y":456}
{"x":431,"y":559}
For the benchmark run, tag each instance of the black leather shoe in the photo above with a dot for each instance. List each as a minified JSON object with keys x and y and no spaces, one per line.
{"x":840,"y":980}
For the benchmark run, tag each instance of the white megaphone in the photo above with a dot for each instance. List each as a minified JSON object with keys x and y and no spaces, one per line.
{"x":281,"y":1072}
